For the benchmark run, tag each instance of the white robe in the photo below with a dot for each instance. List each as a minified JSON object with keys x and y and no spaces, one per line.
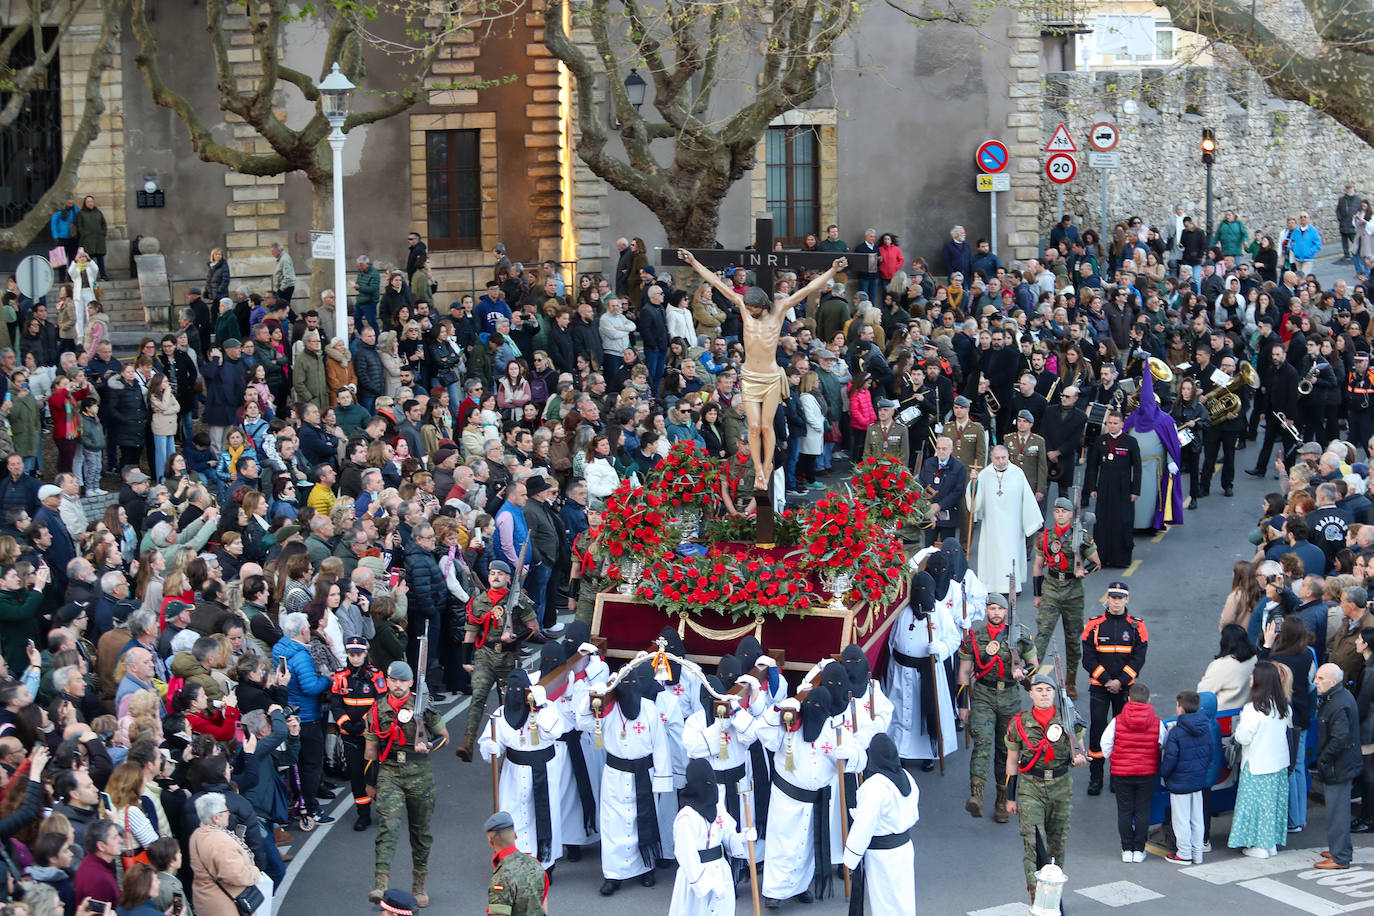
{"x":904,"y":684}
{"x":670,"y":717}
{"x":705,"y":889}
{"x":1007,"y":518}
{"x":620,"y":859}
{"x":516,"y":787}
{"x":977,"y":599}
{"x":703,"y":741}
{"x":791,"y":861}
{"x":889,"y":874}
{"x":574,"y":829}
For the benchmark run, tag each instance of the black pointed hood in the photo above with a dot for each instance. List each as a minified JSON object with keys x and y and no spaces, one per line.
{"x":815,"y":712}
{"x":749,"y":652}
{"x":516,"y":708}
{"x":938,"y":566}
{"x":883,"y":760}
{"x":922,"y":595}
{"x":574,"y":635}
{"x":835,"y":680}
{"x":700,"y":792}
{"x":857,"y":667}
{"x":729,"y":670}
{"x":708,"y":702}
{"x":958,"y":562}
{"x":627,"y":696}
{"x":649,"y":686}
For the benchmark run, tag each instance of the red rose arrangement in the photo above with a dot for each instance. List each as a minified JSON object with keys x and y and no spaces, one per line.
{"x":889,"y":491}
{"x":839,"y":534}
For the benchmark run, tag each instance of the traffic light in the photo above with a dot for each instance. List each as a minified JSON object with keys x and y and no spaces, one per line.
{"x":1209,"y":145}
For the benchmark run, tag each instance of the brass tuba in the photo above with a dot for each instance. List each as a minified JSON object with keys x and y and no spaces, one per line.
{"x":1224,"y":400}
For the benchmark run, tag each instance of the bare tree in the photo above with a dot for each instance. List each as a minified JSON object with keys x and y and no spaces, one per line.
{"x":19,"y":81}
{"x":773,"y":51}
{"x":408,"y":33}
{"x":1331,"y":69}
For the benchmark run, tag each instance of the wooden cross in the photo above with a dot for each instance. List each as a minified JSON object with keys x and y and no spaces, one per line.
{"x":763,"y":261}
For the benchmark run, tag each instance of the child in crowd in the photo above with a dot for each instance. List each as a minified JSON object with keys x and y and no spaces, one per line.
{"x":1131,"y":741}
{"x":1183,"y":767}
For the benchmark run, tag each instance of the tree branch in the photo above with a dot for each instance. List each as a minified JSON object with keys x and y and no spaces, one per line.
{"x":16,"y":237}
{"x":949,"y":13}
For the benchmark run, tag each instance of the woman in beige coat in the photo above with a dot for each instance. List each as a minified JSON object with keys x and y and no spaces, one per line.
{"x":338,"y":368}
{"x":222,"y":865}
{"x":165,"y":408}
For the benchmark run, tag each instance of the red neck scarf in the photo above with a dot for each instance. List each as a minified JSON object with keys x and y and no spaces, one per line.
{"x":394,"y":735}
{"x":488,"y":620}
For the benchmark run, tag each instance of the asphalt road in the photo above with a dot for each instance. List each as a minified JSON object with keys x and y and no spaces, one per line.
{"x":962,"y":865}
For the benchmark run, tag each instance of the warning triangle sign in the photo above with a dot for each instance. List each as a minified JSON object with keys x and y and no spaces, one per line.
{"x":1061,"y":142}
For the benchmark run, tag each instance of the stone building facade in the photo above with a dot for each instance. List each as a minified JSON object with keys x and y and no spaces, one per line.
{"x":896,"y":129}
{"x":1274,"y":157}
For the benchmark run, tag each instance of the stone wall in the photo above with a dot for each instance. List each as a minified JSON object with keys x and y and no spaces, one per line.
{"x":1273,"y":157}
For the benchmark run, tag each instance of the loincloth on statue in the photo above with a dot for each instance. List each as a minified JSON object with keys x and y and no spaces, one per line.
{"x":756,"y":386}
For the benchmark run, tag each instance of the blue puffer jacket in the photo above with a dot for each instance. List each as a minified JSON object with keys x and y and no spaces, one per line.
{"x":1187,"y":754}
{"x":306,"y":685}
{"x":1208,"y":708}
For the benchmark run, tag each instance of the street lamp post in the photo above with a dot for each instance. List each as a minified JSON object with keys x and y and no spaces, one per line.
{"x":334,"y":92}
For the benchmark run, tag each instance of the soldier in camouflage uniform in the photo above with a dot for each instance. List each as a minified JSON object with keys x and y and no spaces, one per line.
{"x":1058,"y":583}
{"x":518,"y":885}
{"x":1039,"y":789}
{"x":494,"y":653}
{"x":989,"y":670}
{"x":405,"y":778}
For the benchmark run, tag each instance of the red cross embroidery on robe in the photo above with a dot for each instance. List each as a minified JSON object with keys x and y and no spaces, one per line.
{"x":638,"y":727}
{"x":826,"y":747}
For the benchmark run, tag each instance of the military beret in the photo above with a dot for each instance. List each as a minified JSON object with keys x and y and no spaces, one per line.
{"x":400,"y":671}
{"x":501,"y":820}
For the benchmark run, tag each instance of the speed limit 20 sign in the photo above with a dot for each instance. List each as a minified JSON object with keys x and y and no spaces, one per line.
{"x":1061,"y":168}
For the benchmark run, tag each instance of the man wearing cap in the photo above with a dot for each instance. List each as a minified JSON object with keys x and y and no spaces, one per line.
{"x":1028,"y":452}
{"x":490,"y":652}
{"x":518,"y":885}
{"x":1061,"y":563}
{"x":944,"y":478}
{"x":887,"y":436}
{"x":399,"y":745}
{"x":969,"y":438}
{"x":1359,"y":399}
{"x":1114,"y":645}
{"x":990,"y":666}
{"x":63,"y":548}
{"x":1039,"y":789}
{"x":354,"y":692}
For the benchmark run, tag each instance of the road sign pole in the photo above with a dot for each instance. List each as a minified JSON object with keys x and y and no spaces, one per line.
{"x":1209,"y":201}
{"x":992,"y":204}
{"x":1059,"y":203}
{"x":1103,"y":240}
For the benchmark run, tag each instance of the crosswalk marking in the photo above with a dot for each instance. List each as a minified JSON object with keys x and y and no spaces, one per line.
{"x":1298,"y":899}
{"x":1006,"y":909}
{"x":1118,"y":893}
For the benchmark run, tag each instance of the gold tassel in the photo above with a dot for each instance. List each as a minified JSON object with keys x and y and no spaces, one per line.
{"x":787,"y":720}
{"x":724,"y":742}
{"x":534,"y":723}
{"x":596,"y":728}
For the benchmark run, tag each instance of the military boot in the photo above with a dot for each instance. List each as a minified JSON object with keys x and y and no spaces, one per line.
{"x":974,"y":805}
{"x":380,"y":882}
{"x":464,"y":751}
{"x":1095,"y":767}
{"x":999,"y":813}
{"x":417,"y":887}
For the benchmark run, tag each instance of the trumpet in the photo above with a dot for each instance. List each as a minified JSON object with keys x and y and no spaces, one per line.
{"x":994,"y":405}
{"x":1287,"y":426}
{"x":1309,"y":381}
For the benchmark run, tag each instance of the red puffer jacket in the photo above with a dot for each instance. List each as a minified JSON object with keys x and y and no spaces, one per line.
{"x":1135,"y":745}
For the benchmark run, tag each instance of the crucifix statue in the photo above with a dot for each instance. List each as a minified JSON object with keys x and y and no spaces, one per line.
{"x":763,"y":383}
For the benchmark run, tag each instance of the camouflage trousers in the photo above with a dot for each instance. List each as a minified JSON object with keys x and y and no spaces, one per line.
{"x":586,"y":598}
{"x":488,"y":667}
{"x":1061,"y":600}
{"x":989,"y":714}
{"x":404,"y":790}
{"x":1046,"y":803}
